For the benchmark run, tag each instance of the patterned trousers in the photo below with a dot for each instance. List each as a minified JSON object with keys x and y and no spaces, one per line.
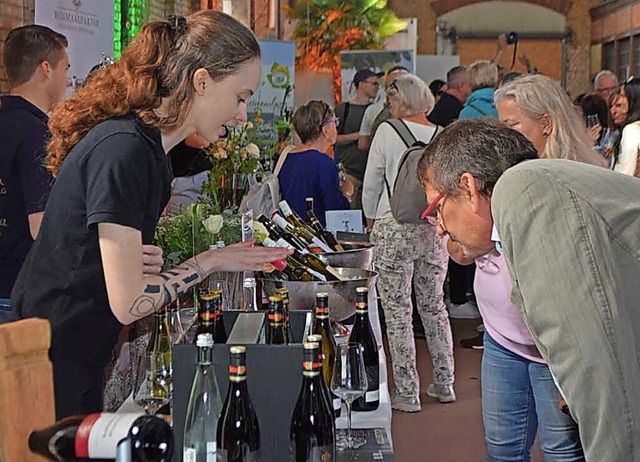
{"x":402,"y":253}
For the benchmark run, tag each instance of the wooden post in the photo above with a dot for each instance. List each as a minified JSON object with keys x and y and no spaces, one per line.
{"x":26,"y":386}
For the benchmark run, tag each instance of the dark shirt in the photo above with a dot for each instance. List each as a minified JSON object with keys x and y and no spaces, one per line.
{"x":446,"y":110}
{"x":353,"y":159}
{"x":188,"y":161}
{"x":24,"y":182}
{"x":311,"y":174}
{"x":118,"y":173}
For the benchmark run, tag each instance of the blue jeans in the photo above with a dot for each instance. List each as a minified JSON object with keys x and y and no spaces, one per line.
{"x":5,"y":310}
{"x":519,"y":397}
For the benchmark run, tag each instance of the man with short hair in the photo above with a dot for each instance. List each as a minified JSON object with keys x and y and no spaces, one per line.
{"x":605,"y":84}
{"x":36,"y":62}
{"x":451,"y":102}
{"x":570,"y":235}
{"x":378,"y":112}
{"x":354,"y":160}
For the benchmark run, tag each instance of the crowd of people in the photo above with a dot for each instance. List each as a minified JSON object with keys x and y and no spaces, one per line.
{"x":532,"y":210}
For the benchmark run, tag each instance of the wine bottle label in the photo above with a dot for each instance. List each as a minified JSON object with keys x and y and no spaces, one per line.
{"x":318,"y":275}
{"x":372,"y":396}
{"x":237,"y":373}
{"x":321,"y":454}
{"x":275,"y":319}
{"x":321,"y":244}
{"x":322,"y":313}
{"x":362,"y":307}
{"x":98,"y":434}
{"x":337,"y":404}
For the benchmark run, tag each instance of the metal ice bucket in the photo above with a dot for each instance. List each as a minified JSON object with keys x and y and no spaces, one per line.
{"x":357,"y":255}
{"x":342,"y":294}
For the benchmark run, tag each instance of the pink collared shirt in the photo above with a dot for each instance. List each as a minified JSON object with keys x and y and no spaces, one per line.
{"x":502,"y":320}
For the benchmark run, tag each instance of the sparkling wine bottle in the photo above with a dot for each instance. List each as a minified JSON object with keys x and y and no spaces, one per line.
{"x":362,"y":333}
{"x":219,"y":330}
{"x":276,"y":334}
{"x":249,"y":295}
{"x":238,"y":434}
{"x":96,"y":437}
{"x":312,"y":432}
{"x":311,"y":263}
{"x":322,"y":327}
{"x":205,"y":324}
{"x":284,"y":293}
{"x":203,"y":410}
{"x":321,"y":232}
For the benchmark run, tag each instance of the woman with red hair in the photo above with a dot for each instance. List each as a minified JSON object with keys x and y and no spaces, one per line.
{"x":93,"y":268}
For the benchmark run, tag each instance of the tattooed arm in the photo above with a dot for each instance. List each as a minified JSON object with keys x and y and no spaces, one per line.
{"x":134,"y":295}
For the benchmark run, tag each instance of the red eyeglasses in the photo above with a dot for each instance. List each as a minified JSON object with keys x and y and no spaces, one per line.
{"x":430,"y":211}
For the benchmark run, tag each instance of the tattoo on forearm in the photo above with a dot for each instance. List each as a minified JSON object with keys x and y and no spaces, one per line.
{"x":143,"y":306}
{"x":176,"y":281}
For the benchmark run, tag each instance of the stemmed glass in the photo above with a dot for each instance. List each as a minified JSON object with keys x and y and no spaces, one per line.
{"x":153,"y":383}
{"x":349,"y":382}
{"x":221,"y":284}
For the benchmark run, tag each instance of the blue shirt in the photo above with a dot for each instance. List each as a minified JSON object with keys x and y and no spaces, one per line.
{"x":311,"y":174}
{"x":479,"y":104}
{"x":24,"y":181}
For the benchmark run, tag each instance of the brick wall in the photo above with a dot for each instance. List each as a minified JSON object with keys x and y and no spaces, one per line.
{"x":578,"y":20}
{"x":13,"y":13}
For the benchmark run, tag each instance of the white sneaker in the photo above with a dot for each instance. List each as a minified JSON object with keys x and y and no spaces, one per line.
{"x":465,"y":311}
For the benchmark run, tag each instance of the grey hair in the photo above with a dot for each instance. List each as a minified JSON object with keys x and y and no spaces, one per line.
{"x":482,"y":74}
{"x":537,"y":95}
{"x":412,"y":93}
{"x":455,"y":75}
{"x":603,"y":73}
{"x":483,"y":147}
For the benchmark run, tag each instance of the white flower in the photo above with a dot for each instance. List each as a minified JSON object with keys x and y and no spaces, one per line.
{"x":220,"y":154}
{"x":213,"y":224}
{"x":254,"y":151}
{"x":259,"y":231}
{"x":248,"y":126}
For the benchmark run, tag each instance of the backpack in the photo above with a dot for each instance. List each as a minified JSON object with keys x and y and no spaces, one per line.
{"x":264,"y":196}
{"x":407,"y":198}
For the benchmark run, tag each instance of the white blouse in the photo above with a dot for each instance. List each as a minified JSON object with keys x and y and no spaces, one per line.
{"x":629,"y":147}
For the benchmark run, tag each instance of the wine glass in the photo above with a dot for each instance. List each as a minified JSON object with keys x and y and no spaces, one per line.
{"x":349,"y":382}
{"x":221,"y":284}
{"x":153,"y":384}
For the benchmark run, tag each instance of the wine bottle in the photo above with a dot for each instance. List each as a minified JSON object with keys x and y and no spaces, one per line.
{"x":276,"y":233}
{"x":313,"y":431}
{"x":238,"y":435}
{"x":204,"y":407}
{"x":293,"y":218}
{"x":313,"y":263}
{"x":322,"y":327}
{"x":174,"y":324}
{"x":249,"y":297}
{"x":220,"y":332}
{"x":160,"y":344}
{"x":96,"y":437}
{"x":276,"y":334}
{"x":304,"y":234}
{"x":363,"y":334}
{"x":294,"y":270}
{"x":284,"y":293}
{"x":315,"y":338}
{"x":205,"y":323}
{"x":321,"y":232}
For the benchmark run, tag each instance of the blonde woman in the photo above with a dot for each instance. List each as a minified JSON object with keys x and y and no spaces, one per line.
{"x":408,"y":251}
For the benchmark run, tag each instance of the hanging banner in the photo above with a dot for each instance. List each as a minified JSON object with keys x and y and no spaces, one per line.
{"x":271,"y":106}
{"x":375,"y":60}
{"x":88,"y":26}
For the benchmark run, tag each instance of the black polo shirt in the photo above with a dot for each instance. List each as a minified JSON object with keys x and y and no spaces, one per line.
{"x":118,"y":173}
{"x":24,"y":181}
{"x":446,"y":111}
